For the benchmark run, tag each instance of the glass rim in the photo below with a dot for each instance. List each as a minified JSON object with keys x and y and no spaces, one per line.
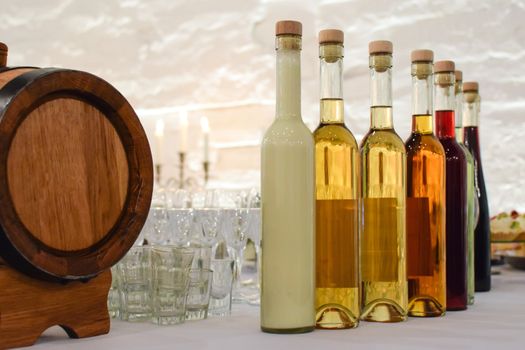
{"x":172,"y":248}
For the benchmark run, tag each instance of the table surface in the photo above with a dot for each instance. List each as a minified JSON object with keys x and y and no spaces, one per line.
{"x":495,"y":321}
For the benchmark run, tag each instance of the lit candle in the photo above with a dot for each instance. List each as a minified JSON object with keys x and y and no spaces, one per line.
{"x":183,"y":124}
{"x":159,"y":139}
{"x":205,"y":126}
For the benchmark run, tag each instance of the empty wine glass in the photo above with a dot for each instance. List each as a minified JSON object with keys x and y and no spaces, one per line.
{"x":158,"y":217}
{"x":180,"y":216}
{"x":237,"y":235}
{"x":207,"y":204}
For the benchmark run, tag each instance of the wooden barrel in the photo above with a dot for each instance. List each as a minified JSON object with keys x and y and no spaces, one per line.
{"x":76,"y":174}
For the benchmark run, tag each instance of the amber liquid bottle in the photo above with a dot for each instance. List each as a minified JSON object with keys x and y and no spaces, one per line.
{"x":456,"y":187}
{"x":426,"y":233}
{"x":383,"y":163}
{"x":471,"y":108}
{"x":472,"y":198}
{"x":337,"y":193}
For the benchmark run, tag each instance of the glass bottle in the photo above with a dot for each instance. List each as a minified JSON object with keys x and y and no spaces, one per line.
{"x":337,"y":193}
{"x":288,"y":200}
{"x":456,"y":186}
{"x":426,"y":264}
{"x":472,"y":200}
{"x":383,"y":163}
{"x":471,"y":108}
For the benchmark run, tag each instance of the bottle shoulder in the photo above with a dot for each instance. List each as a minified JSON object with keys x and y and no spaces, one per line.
{"x":288,"y":131}
{"x":334,"y":134}
{"x":453,"y":150}
{"x":383,"y":138}
{"x":417,"y":143}
{"x":468,"y":154}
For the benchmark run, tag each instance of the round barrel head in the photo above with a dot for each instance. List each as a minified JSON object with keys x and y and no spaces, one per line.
{"x":78,"y":174}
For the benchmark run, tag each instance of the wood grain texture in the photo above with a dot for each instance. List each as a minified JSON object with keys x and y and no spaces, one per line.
{"x":76,"y":174}
{"x":68,"y":174}
{"x":28,"y":307}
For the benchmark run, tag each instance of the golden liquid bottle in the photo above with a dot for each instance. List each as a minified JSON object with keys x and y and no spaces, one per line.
{"x":337,"y":193}
{"x":426,"y":225}
{"x":472,"y":188}
{"x":288,"y":200}
{"x":383,"y":241}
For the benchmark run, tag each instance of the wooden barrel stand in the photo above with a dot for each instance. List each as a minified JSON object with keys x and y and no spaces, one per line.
{"x":28,"y":307}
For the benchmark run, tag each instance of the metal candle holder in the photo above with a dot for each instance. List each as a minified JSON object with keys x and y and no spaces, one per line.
{"x":158,"y":171}
{"x":182,"y":159}
{"x":206,"y":167}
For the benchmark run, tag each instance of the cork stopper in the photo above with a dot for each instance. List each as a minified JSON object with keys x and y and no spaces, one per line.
{"x":422,"y":56}
{"x":288,"y":28}
{"x":444,"y":66}
{"x":472,"y":86}
{"x":380,"y":46}
{"x":334,"y":36}
{"x":3,"y":55}
{"x":459,"y":75}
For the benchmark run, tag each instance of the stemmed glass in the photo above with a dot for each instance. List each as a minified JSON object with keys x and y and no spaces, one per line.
{"x":180,"y":216}
{"x":210,"y":216}
{"x":238,"y":235}
{"x":155,"y":228}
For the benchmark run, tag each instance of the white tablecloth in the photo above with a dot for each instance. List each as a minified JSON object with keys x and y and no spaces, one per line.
{"x":496,"y":321}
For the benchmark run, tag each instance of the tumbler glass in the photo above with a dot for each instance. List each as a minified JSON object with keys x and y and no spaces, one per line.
{"x":198,"y":298}
{"x":113,"y":295}
{"x":171,"y":267}
{"x":134,"y":282}
{"x":221,"y":289}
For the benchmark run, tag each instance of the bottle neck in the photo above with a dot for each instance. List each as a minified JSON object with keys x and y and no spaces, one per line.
{"x":288,"y":99}
{"x":445,"y":97}
{"x":471,"y":108}
{"x":381,"y":92}
{"x":422,"y":94}
{"x":458,"y":90}
{"x":331,"y":70}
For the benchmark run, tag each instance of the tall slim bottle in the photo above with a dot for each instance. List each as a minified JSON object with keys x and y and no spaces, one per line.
{"x":288,"y":200}
{"x":337,"y":193}
{"x":471,"y":108}
{"x":426,"y":235}
{"x":472,"y":199}
{"x":456,"y":186}
{"x":383,"y":164}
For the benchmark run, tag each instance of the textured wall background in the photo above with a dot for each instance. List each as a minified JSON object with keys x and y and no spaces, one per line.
{"x":216,"y":58}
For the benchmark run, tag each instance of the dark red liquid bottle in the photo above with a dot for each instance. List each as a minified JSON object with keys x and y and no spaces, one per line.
{"x":482,"y":231}
{"x":456,"y":188}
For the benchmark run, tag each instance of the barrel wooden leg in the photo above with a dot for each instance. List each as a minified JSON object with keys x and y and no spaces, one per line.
{"x":28,"y":307}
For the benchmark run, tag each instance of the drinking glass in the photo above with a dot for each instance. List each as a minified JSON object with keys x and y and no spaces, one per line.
{"x":221,"y":288}
{"x":237,"y":238}
{"x":179,"y":227}
{"x":134,"y":281}
{"x":198,"y":298}
{"x":171,"y":266}
{"x":113,"y":295}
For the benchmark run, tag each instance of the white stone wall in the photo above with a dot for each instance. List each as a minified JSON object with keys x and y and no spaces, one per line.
{"x":216,"y":58}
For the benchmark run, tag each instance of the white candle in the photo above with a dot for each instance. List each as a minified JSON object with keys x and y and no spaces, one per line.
{"x":159,"y":139}
{"x":205,"y":126}
{"x":183,"y":125}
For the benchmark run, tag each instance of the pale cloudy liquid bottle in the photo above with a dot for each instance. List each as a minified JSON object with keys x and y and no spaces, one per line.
{"x":288,"y":200}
